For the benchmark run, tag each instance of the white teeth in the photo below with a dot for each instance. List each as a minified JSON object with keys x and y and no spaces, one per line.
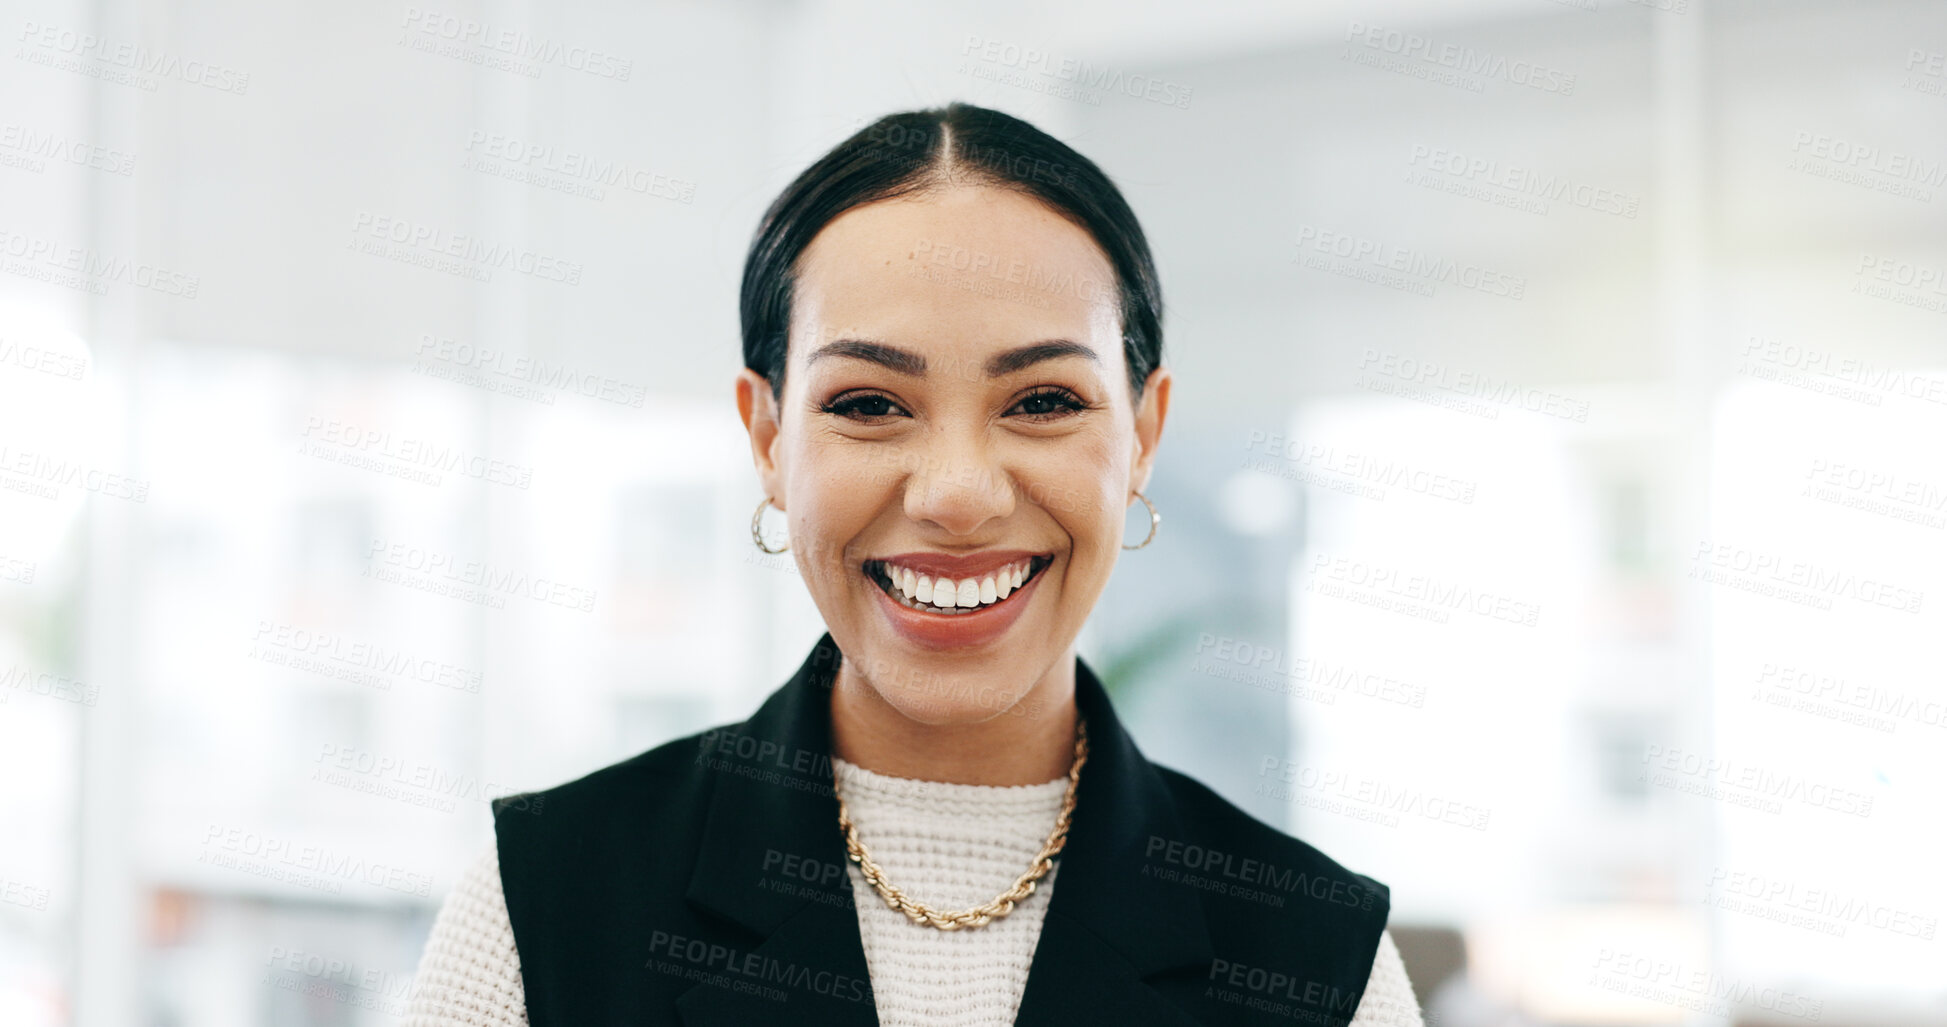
{"x":949,"y":594}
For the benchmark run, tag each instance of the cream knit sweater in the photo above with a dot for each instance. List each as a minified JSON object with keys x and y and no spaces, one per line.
{"x":947,"y":845}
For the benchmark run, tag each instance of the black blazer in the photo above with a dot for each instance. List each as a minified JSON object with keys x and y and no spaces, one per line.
{"x":704,"y":882}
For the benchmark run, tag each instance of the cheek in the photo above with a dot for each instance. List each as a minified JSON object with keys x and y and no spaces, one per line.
{"x":1081,"y":486}
{"x":836,"y":491}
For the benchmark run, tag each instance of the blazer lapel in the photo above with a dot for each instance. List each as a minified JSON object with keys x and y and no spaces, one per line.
{"x":772,"y":793}
{"x":1108,"y":924}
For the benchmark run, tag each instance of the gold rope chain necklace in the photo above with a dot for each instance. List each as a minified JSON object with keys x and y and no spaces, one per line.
{"x":1001,"y":905}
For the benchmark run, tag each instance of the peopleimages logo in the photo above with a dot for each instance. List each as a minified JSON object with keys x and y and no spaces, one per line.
{"x":1420,"y":595}
{"x":1354,"y":465}
{"x":34,"y":256}
{"x":1273,"y":992}
{"x":328,"y":652}
{"x":29,"y":357}
{"x":1862,"y":703}
{"x":308,"y":866}
{"x":1372,"y":798}
{"x":511,"y":44}
{"x":23,"y":146}
{"x":1075,"y":71}
{"x":1248,"y":663}
{"x":575,"y":166}
{"x":24,"y":895}
{"x":1797,"y":581}
{"x":453,"y":252}
{"x":1398,"y":267}
{"x":1248,"y":870}
{"x":753,"y":969}
{"x":472,"y":580}
{"x":1465,"y":60}
{"x":521,"y":376}
{"x":44,"y":473}
{"x":1822,"y":909}
{"x":1526,"y":183}
{"x":1676,"y":983}
{"x":341,"y":441}
{"x":1011,"y":270}
{"x":1834,"y":373}
{"x":1867,"y":164}
{"x":91,"y":54}
{"x":1745,"y":784}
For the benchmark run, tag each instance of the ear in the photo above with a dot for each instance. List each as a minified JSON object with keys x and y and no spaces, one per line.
{"x":1155,"y":406}
{"x":762,"y":419}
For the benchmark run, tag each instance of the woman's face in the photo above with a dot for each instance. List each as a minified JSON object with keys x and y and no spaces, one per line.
{"x":956,"y":408}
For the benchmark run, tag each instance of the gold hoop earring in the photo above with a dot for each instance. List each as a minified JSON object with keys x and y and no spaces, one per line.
{"x":1154,"y":520}
{"x":757,"y":529}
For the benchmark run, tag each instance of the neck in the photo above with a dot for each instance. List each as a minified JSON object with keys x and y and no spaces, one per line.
{"x":1031,"y":742}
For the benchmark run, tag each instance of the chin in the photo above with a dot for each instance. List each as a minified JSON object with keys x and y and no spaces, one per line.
{"x":930,"y":690}
{"x":978,"y":704}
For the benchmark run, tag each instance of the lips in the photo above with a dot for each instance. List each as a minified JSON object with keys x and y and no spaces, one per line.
{"x":916,"y":589}
{"x":956,"y":626}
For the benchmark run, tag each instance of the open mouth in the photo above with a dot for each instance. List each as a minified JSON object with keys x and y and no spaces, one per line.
{"x":949,"y":597}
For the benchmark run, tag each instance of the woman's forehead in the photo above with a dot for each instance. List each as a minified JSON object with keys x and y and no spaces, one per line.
{"x":959,"y":266}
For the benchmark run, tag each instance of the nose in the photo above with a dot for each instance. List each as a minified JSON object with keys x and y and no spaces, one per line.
{"x":954,"y":481}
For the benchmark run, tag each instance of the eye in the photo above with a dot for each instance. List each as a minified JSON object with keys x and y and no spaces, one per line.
{"x":862,"y":406}
{"x":1050,"y":403}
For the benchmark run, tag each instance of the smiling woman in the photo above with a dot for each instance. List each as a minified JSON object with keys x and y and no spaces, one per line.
{"x":954,"y":391}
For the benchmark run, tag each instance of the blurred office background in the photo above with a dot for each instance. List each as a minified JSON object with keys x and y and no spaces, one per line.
{"x":1555,"y":509}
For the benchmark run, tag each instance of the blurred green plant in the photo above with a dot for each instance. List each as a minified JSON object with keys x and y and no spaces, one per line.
{"x":1125,"y":670}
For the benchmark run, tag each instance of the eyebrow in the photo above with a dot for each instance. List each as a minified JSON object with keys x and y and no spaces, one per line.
{"x":907,"y":362}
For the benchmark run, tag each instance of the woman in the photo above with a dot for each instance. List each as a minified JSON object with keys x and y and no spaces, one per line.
{"x":953,"y":391}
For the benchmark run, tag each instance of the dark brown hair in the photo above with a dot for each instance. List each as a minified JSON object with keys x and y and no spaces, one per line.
{"x":918,"y":150}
